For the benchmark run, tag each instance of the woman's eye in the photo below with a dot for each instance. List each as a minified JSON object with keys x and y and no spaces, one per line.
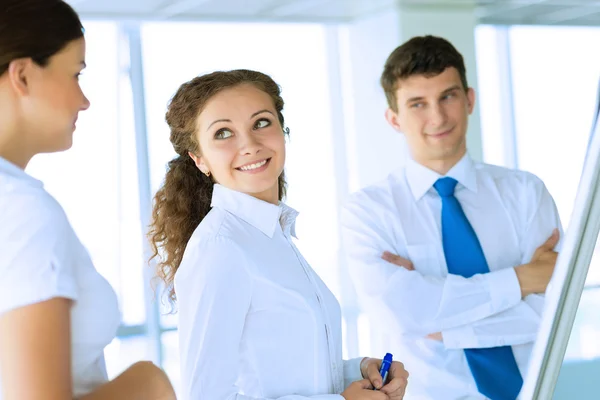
{"x":223,"y":134}
{"x":262,"y":123}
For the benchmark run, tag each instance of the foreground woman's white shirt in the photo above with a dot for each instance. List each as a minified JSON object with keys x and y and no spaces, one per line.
{"x":41,"y":258}
{"x":255,"y":321}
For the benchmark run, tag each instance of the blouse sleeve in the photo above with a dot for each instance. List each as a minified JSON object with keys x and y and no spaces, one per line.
{"x":33,"y":265}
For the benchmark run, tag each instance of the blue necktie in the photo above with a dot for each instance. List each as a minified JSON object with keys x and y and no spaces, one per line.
{"x":494,"y":369}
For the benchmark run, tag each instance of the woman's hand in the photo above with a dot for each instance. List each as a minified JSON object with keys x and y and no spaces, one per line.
{"x":363,"y":390}
{"x":397,"y":377}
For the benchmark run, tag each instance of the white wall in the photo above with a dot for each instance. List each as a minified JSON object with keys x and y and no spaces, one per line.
{"x":373,"y":148}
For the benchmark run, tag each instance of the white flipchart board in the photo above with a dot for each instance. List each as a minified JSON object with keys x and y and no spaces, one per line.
{"x":562,"y":297}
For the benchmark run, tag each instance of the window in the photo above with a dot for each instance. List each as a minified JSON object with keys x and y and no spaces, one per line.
{"x":96,"y":183}
{"x":556,"y":75}
{"x":553,"y":78}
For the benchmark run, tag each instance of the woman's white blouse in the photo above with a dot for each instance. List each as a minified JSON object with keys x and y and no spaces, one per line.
{"x":41,"y":258}
{"x":255,"y":321}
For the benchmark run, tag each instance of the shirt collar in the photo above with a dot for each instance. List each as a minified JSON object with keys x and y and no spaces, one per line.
{"x":262,"y":215}
{"x":421,"y":179}
{"x":10,"y":169}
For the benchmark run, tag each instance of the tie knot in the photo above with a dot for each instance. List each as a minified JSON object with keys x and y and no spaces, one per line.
{"x":445,"y":186}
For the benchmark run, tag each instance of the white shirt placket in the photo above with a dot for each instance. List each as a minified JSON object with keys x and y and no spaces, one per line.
{"x":336,"y":371}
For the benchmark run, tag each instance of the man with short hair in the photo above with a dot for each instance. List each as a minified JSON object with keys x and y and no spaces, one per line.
{"x":451,"y":255}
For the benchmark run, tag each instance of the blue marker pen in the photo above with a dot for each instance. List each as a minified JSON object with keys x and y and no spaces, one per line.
{"x":386,"y":363}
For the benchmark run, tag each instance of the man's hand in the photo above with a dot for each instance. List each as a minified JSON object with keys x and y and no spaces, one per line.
{"x":548,"y":246}
{"x":535,"y":276}
{"x":397,"y":260}
{"x":436,"y":336}
{"x":397,"y":377}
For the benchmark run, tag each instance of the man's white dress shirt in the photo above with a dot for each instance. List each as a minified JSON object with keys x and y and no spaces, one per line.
{"x":512,"y":214}
{"x":255,"y":321}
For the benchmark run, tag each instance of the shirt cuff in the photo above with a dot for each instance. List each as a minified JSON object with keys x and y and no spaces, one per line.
{"x":352,"y":371}
{"x":504,"y":289}
{"x":459,"y":338}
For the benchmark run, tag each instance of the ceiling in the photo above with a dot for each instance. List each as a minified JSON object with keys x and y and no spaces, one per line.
{"x":511,"y":12}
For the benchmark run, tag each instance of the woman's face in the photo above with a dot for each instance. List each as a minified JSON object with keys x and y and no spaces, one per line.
{"x":53,"y":98}
{"x":242,"y":143}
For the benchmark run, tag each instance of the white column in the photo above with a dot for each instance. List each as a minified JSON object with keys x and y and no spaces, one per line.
{"x":136,"y":74}
{"x":375,"y":149}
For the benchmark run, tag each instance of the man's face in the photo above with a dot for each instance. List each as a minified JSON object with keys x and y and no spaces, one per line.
{"x":433,"y":112}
